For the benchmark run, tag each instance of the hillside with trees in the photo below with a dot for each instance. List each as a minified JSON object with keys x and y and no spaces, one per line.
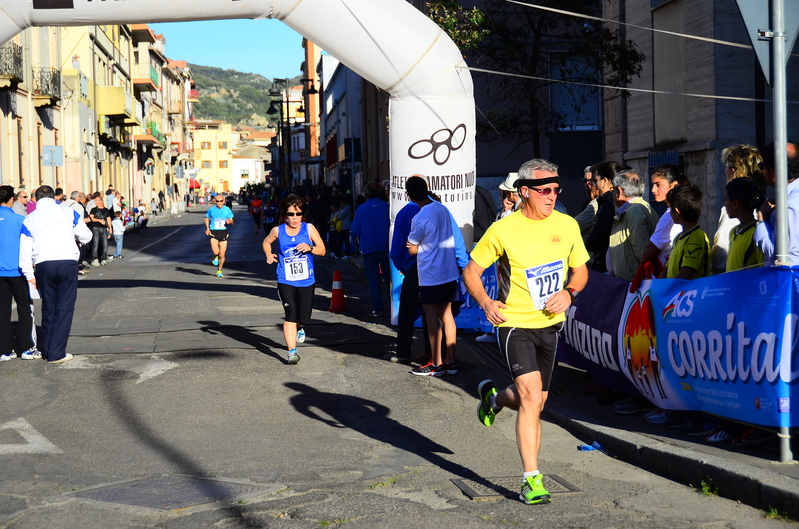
{"x":232,"y":96}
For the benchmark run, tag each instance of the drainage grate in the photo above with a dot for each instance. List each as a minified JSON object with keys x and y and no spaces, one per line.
{"x":509,"y":487}
{"x":173,"y":492}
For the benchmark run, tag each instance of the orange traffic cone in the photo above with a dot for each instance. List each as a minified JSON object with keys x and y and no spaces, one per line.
{"x":337,"y":303}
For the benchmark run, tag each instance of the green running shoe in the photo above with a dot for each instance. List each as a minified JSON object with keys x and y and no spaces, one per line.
{"x":533,"y":491}
{"x":485,"y":413}
{"x":215,"y":261}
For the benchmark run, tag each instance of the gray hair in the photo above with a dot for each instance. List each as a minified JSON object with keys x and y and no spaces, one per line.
{"x":75,"y":195}
{"x":527,"y":169}
{"x":630,"y":182}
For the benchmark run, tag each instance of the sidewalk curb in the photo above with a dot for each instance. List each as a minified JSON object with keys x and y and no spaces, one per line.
{"x":737,"y":481}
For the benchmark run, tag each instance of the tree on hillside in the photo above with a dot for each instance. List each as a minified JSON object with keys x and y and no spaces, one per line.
{"x":535,"y":46}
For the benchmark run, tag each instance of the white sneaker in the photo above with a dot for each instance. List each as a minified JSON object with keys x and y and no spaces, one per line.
{"x":9,"y":356}
{"x":61,"y":360}
{"x":31,"y":354}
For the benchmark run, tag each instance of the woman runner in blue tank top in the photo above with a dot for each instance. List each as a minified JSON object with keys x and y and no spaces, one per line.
{"x":298,"y":241}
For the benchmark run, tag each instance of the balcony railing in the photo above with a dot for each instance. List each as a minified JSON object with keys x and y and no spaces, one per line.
{"x":154,"y":75}
{"x":47,"y":84}
{"x":10,"y":64}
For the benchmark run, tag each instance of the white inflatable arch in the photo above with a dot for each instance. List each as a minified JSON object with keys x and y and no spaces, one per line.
{"x":387,"y":42}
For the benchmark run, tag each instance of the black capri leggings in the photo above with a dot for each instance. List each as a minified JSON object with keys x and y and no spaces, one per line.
{"x":297,"y":302}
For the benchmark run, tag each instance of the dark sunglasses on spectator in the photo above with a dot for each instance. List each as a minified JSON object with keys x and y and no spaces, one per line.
{"x":546,"y":190}
{"x":26,"y":196}
{"x":291,"y":214}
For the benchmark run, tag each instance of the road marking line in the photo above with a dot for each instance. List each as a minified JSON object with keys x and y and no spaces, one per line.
{"x":36,"y":442}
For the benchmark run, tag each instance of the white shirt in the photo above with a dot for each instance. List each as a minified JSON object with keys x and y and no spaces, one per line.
{"x":664,"y":234}
{"x":49,"y":233}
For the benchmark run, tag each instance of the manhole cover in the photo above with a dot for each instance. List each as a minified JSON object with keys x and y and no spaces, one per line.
{"x":173,"y":492}
{"x":509,"y":486}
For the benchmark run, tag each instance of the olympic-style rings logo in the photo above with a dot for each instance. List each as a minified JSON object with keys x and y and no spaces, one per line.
{"x":450,"y":140}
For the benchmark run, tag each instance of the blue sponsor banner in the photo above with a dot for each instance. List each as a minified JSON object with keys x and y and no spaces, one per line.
{"x":725,"y":344}
{"x":471,"y":315}
{"x":589,"y":337}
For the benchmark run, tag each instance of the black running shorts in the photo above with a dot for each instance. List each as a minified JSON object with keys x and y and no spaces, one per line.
{"x":220,"y":235}
{"x":297,"y":302}
{"x":528,"y":350}
{"x":436,"y":294}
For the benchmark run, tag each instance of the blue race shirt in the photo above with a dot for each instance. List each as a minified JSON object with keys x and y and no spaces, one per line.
{"x":294,"y":267}
{"x":218,"y":216}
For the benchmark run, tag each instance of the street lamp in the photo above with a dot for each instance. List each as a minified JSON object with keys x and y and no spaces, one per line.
{"x":284,"y":127}
{"x":283,"y":138}
{"x":312,"y":90}
{"x":280,"y":142}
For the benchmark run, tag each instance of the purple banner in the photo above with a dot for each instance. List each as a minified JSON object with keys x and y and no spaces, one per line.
{"x":589,"y":339}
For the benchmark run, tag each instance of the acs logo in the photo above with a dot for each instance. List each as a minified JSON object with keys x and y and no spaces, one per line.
{"x":681,"y":305}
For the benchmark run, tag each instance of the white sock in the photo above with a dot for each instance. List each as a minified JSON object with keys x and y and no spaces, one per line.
{"x":531,"y":474}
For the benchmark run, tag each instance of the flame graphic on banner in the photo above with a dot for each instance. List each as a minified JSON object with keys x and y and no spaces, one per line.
{"x":640,"y":345}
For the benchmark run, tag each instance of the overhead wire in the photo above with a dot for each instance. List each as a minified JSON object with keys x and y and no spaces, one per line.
{"x":611,"y":87}
{"x":639,"y":90}
{"x":654,"y":30}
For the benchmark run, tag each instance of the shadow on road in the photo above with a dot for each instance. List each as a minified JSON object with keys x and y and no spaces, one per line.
{"x":371,"y":419}
{"x":246,"y":336}
{"x":139,"y":429}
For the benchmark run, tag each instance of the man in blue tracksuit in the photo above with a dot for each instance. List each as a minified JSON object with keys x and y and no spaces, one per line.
{"x":48,"y":257}
{"x":371,"y":226}
{"x":13,"y":284}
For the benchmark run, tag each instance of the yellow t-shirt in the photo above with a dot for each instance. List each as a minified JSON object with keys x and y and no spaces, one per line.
{"x":691,"y":249}
{"x":540,"y":253}
{"x":743,"y":251}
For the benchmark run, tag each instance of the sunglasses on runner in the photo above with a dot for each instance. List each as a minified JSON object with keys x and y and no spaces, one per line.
{"x":546,"y":190}
{"x":292,"y":214}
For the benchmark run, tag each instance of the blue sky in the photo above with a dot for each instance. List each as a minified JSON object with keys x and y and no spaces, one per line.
{"x":266,"y":47}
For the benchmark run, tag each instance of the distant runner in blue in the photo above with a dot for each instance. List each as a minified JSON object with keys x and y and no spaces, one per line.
{"x":298,"y":242}
{"x":218,"y":218}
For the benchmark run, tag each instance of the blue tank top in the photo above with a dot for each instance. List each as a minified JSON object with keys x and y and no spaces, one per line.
{"x":293,"y":267}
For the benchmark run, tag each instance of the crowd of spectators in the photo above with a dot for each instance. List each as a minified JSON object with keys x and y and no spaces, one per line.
{"x":628,"y":238}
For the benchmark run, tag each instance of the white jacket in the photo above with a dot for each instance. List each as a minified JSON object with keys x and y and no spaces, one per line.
{"x":49,"y":234}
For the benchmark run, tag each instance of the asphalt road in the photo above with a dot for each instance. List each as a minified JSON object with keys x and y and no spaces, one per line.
{"x":181,"y":375}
